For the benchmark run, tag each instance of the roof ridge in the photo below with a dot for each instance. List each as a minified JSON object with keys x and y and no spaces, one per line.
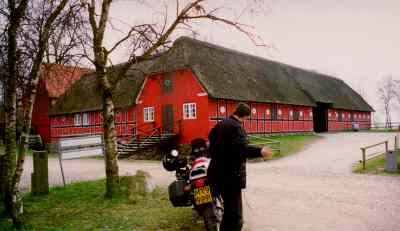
{"x":230,"y":50}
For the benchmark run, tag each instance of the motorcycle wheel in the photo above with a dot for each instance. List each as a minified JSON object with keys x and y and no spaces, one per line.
{"x":211,"y":225}
{"x":211,"y":218}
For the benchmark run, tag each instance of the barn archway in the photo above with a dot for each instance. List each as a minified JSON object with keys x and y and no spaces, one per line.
{"x":320,"y":118}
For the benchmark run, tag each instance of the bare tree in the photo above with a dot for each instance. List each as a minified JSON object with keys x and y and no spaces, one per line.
{"x":386,"y":93}
{"x":14,"y":16}
{"x":29,"y":28}
{"x":397,"y":90}
{"x":147,"y":40}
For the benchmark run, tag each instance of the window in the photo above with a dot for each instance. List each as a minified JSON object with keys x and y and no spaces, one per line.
{"x":189,"y":111}
{"x":148,"y":114}
{"x":222,"y":109}
{"x":85,"y":119}
{"x":167,"y":83}
{"x":77,"y":120}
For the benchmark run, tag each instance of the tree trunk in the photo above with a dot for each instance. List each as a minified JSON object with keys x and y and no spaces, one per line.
{"x":100,"y":61}
{"x":31,"y":94}
{"x":110,"y":138}
{"x":11,"y":112}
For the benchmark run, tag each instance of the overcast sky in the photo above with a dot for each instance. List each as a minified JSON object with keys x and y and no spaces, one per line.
{"x":355,"y":40}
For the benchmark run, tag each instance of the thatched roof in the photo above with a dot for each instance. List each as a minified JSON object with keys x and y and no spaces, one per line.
{"x":84,"y":95}
{"x":224,"y":74}
{"x":230,"y":74}
{"x":327,"y":89}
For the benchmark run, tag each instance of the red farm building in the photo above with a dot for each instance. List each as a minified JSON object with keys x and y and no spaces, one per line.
{"x":53,"y":82}
{"x":195,"y":84}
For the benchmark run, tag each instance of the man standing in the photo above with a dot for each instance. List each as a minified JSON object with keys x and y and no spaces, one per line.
{"x":229,"y":150}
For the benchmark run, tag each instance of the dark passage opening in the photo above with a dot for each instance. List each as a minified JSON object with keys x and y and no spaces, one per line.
{"x":320,"y":118}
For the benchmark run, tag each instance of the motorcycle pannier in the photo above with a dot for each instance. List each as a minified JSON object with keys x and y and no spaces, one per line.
{"x":177,"y":195}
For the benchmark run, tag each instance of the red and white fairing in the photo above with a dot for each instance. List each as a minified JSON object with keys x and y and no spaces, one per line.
{"x":199,"y":168}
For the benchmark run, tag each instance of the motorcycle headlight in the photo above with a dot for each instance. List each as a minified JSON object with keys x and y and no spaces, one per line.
{"x":169,"y":160}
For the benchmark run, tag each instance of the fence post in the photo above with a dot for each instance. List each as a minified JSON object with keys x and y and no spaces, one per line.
{"x":363,"y":158}
{"x":386,"y":146}
{"x":40,"y":175}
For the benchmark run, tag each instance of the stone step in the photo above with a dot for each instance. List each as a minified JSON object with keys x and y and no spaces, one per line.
{"x":129,"y":148}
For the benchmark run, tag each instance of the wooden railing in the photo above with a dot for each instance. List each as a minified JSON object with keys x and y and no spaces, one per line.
{"x":391,"y":125}
{"x":157,"y":131}
{"x":273,"y":144}
{"x":370,"y":156}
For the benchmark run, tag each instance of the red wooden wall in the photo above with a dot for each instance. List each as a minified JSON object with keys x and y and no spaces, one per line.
{"x":348,"y":118}
{"x":185,"y":89}
{"x":260,"y":120}
{"x":63,"y":126}
{"x":40,"y":114}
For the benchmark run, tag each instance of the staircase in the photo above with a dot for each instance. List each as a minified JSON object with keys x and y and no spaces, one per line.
{"x":125,"y":150}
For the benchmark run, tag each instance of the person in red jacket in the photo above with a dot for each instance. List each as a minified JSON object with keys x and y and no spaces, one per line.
{"x":229,"y":149}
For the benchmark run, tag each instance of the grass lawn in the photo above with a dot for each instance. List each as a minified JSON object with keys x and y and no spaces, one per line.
{"x":81,"y":206}
{"x":289,"y":144}
{"x":376,"y":166}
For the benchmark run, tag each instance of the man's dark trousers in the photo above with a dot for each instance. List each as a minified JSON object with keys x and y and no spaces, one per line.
{"x":233,"y":210}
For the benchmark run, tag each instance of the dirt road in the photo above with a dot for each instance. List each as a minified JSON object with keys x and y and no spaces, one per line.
{"x":91,"y":169}
{"x":316,"y":190}
{"x":312,"y":190}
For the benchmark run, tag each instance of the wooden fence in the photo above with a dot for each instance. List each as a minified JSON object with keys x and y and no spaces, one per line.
{"x":366,"y":156}
{"x":392,"y":125}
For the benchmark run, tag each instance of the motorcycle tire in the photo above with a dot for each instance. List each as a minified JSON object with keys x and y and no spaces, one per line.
{"x":211,"y":224}
{"x":210,"y":217}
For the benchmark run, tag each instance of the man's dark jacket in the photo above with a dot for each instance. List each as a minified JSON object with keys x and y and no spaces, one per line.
{"x":229,"y":150}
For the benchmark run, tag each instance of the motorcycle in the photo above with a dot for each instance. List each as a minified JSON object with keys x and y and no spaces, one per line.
{"x":191,"y":186}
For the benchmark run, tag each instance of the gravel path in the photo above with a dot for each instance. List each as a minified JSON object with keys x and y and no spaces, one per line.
{"x":92,"y":168}
{"x":312,"y":190}
{"x":316,"y":190}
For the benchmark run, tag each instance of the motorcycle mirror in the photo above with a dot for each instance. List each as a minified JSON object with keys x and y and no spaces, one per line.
{"x":174,"y":153}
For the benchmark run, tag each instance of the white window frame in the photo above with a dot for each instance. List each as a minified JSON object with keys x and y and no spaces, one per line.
{"x":77,"y":119}
{"x":189,"y":111}
{"x":148,"y":114}
{"x":85,"y":119}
